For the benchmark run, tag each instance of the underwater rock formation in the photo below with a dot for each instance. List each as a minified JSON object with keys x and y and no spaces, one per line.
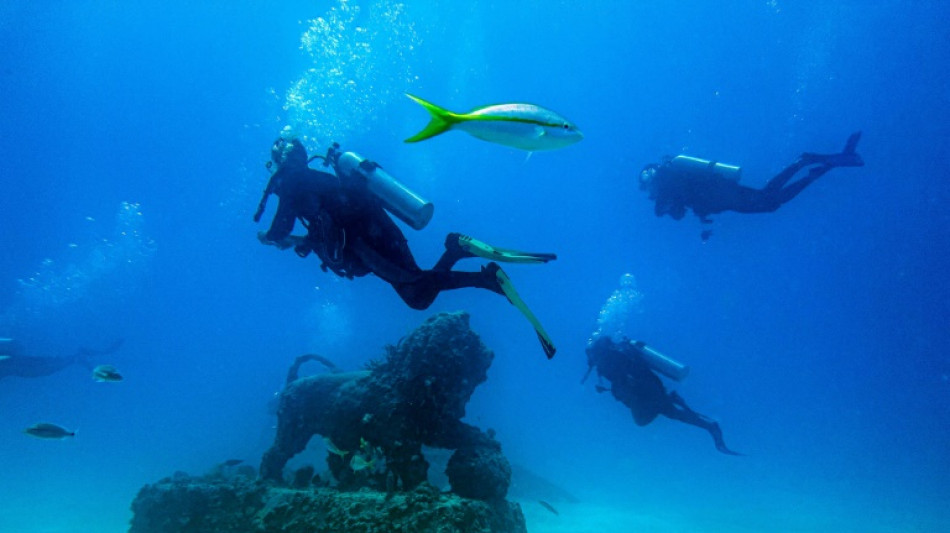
{"x":185,"y":504}
{"x":479,"y":472}
{"x":374,"y":423}
{"x":415,"y":396}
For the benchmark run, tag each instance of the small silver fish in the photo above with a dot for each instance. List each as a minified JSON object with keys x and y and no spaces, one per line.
{"x":44,"y":430}
{"x":104,"y":373}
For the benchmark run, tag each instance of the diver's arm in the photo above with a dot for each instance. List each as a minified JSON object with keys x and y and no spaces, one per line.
{"x":587,"y":374}
{"x":282,"y":224}
{"x":669,"y":202}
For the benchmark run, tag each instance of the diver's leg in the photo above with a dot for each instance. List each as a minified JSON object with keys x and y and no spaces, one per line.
{"x":453,"y":253}
{"x":716,"y":433}
{"x":388,"y":241}
{"x":678,"y":410}
{"x":779,"y":180}
{"x":421,"y":292}
{"x":847,"y":158}
{"x":791,"y":191}
{"x":772,"y":196}
{"x":678,"y":400}
{"x":392,"y":267}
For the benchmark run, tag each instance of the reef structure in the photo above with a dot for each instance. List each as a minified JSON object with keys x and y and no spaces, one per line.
{"x":375,"y":423}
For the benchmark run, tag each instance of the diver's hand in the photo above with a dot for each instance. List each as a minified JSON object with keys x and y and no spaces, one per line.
{"x":262,"y":237}
{"x":282,"y":244}
{"x":290,"y":241}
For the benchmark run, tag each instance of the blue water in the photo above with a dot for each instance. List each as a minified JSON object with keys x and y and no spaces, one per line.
{"x":133,"y":140}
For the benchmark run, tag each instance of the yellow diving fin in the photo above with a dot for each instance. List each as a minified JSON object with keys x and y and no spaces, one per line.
{"x":481,"y":249}
{"x":505,"y":282}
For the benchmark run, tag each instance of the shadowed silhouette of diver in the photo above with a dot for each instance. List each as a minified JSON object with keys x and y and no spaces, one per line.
{"x":634,"y":384}
{"x":13,"y":363}
{"x":683,"y":183}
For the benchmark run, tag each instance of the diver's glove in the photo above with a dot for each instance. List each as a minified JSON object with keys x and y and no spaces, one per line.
{"x":262,"y":238}
{"x":302,"y":249}
{"x":291,"y":241}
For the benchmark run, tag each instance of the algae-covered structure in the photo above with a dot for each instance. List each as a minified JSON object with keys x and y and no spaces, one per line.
{"x":374,"y":423}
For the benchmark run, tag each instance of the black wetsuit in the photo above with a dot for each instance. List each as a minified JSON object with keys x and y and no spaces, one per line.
{"x":353,"y":235}
{"x":635,"y":385}
{"x":675,"y":190}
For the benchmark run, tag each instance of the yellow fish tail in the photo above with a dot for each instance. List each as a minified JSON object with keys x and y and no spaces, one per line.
{"x":442,"y":120}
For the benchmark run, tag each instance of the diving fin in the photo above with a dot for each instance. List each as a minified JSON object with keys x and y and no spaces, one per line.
{"x":481,"y":249}
{"x":847,"y":158}
{"x":506,"y":286}
{"x":852,"y":144}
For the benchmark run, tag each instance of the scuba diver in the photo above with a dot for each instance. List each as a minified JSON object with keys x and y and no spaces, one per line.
{"x":629,"y":367}
{"x":14,"y":363}
{"x":349,"y":230}
{"x":709,"y":188}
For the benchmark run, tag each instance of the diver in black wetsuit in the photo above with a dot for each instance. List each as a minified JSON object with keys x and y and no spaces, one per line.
{"x":635,"y":385}
{"x":680,"y":183}
{"x":351,"y":233}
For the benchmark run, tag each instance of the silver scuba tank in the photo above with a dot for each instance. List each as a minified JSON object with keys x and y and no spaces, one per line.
{"x":661,"y":363}
{"x":685,"y":162}
{"x":396,"y":197}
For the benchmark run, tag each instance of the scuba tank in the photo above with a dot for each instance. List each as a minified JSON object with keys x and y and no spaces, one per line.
{"x":660,"y":362}
{"x":396,"y":197}
{"x":687,"y":163}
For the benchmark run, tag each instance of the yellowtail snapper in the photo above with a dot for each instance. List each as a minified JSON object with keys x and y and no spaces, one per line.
{"x":524,"y":126}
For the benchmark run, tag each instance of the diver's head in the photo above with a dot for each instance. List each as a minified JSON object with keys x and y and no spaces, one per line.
{"x":598,"y":341}
{"x":647,"y":175}
{"x":598,"y":345}
{"x":288,"y":153}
